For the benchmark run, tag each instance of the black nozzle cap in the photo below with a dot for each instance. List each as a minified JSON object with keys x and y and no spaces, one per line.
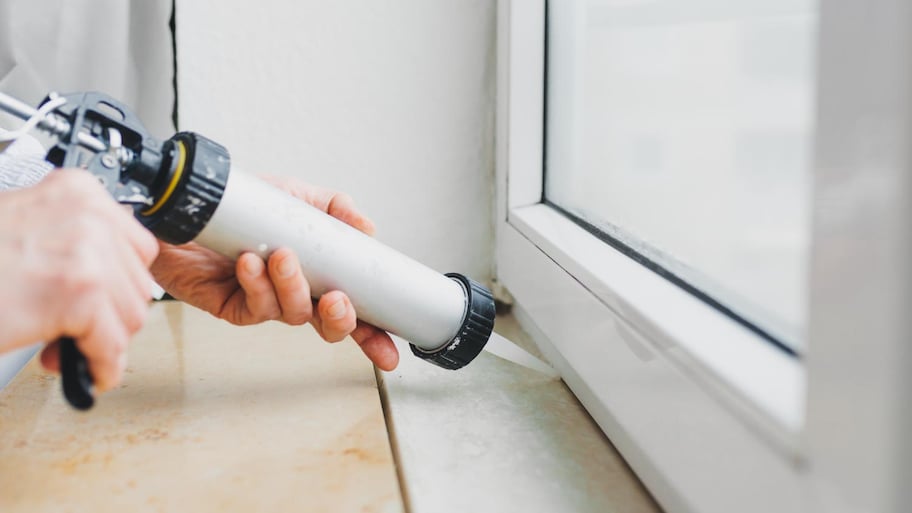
{"x":472,"y":335}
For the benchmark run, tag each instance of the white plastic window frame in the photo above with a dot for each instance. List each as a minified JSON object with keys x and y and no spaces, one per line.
{"x":683,"y":391}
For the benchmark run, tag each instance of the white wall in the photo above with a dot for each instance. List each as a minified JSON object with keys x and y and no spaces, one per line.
{"x":391,"y":102}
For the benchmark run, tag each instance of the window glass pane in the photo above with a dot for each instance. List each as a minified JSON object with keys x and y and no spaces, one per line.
{"x":683,"y":128}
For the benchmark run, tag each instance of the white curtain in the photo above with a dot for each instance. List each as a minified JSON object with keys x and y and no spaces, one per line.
{"x":122,"y":48}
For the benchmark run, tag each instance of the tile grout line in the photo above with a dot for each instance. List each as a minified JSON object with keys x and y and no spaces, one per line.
{"x":393,"y":440}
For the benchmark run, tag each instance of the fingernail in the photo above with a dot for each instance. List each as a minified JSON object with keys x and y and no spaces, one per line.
{"x":287,"y":268}
{"x":337,"y":310}
{"x":253,"y":266}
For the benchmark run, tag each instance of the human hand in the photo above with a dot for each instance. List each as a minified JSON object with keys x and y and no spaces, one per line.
{"x":251,"y":291}
{"x":73,"y":263}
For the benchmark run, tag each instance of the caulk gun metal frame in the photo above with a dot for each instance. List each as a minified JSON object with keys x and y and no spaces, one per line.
{"x":183,"y":189}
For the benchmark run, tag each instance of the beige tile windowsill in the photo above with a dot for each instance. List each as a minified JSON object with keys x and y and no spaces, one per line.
{"x":213,"y":417}
{"x":210,"y":417}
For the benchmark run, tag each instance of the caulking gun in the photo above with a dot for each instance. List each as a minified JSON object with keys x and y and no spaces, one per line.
{"x":184,"y":189}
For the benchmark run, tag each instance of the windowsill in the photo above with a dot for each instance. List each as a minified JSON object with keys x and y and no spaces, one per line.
{"x":13,"y":362}
{"x":210,"y":417}
{"x":495,"y":436}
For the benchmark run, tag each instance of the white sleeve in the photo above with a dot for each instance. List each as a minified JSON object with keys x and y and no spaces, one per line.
{"x":23,"y":164}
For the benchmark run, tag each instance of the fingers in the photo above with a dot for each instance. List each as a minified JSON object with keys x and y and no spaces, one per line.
{"x":104,"y":340}
{"x":121,"y":279}
{"x":133,"y":272}
{"x":377,"y":346}
{"x":375,"y":343}
{"x":274,"y":291}
{"x":261,"y":303}
{"x":107,"y":288}
{"x":50,"y":357}
{"x":339,"y":205}
{"x":104,"y":346}
{"x":141,"y":240}
{"x":88,"y":201}
{"x":342,"y":207}
{"x":91,"y":195}
{"x":336,"y":316}
{"x":291,"y":289}
{"x":277,"y":290}
{"x":86,"y":270}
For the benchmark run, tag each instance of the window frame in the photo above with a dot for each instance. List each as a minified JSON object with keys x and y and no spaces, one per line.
{"x":700,"y":440}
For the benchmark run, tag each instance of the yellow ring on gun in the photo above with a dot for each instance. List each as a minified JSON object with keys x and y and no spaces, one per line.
{"x":175,"y":179}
